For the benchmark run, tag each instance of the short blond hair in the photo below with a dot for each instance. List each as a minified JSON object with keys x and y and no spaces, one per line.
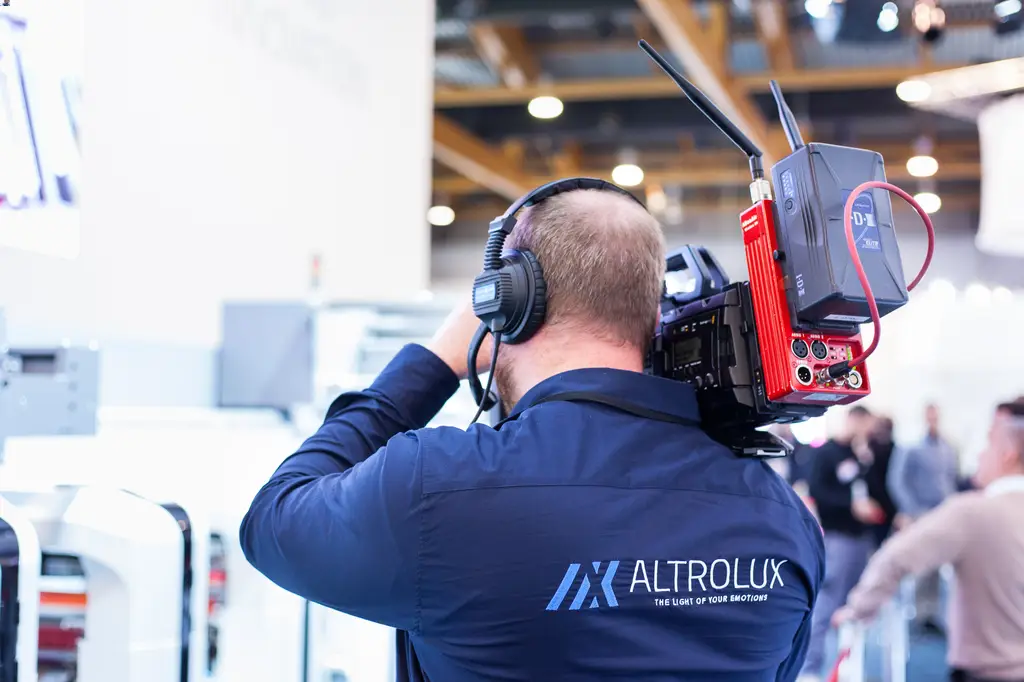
{"x":603,"y":258}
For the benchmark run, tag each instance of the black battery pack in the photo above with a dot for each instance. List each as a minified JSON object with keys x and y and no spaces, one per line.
{"x":812,"y":185}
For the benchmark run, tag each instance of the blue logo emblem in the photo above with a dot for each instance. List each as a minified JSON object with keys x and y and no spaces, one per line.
{"x":590,"y":578}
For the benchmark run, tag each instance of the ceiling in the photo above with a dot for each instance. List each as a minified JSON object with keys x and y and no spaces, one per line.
{"x":494,"y":56}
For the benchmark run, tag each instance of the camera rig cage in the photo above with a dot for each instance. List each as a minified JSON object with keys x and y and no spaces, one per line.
{"x":785,"y":345}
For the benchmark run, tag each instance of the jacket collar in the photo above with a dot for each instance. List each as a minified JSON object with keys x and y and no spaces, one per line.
{"x":1006,"y":484}
{"x":657,"y":394}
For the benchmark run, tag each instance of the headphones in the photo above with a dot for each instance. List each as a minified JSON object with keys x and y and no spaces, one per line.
{"x":510,"y":295}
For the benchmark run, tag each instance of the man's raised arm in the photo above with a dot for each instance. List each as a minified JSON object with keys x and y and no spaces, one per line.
{"x":337,"y":522}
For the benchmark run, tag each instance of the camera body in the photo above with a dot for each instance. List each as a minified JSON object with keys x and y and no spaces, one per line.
{"x":786,"y":345}
{"x":709,"y":338}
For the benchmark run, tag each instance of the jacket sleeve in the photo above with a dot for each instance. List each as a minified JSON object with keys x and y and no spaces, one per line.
{"x":790,"y":669}
{"x":338,"y":521}
{"x":939,"y":537}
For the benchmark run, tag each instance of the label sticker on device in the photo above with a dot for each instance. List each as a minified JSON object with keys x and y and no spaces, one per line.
{"x":824,"y":397}
{"x":847,"y":318}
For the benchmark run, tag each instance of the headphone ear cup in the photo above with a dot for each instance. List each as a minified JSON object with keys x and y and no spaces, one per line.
{"x":539,"y":305}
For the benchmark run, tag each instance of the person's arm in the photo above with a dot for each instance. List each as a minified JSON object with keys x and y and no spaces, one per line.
{"x":900,"y":484}
{"x":336,"y":523}
{"x":939,"y":537}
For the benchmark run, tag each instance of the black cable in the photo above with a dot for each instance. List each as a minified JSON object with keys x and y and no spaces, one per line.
{"x":496,"y":339}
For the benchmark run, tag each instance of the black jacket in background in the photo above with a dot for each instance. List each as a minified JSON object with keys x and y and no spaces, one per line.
{"x":831,"y":495}
{"x":877,"y":477}
{"x":800,"y":463}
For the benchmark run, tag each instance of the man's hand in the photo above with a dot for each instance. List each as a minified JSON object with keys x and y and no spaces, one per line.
{"x":901,"y":521}
{"x":842,"y":616}
{"x":868,"y":511}
{"x":451,"y":341}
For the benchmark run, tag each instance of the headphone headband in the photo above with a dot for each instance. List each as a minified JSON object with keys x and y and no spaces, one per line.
{"x":549,"y":190}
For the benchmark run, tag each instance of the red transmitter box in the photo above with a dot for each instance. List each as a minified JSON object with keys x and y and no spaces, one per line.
{"x":792,"y":360}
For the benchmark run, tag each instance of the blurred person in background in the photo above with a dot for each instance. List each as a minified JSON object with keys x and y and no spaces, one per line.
{"x":839,"y":488}
{"x":795,"y":466}
{"x":981,"y":534}
{"x":922,"y":477}
{"x":783,"y":466}
{"x":877,"y":477}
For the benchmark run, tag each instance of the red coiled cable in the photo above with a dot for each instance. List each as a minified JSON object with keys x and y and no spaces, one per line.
{"x":876,"y":318}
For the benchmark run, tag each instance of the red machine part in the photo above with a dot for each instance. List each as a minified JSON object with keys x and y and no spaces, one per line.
{"x":787,"y":376}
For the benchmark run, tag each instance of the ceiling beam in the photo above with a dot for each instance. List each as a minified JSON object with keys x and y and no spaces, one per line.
{"x":567,"y":162}
{"x":772,"y":22}
{"x":477,"y":161}
{"x":717,"y":31}
{"x":704,"y":62}
{"x":855,"y":78}
{"x":726,"y":204}
{"x":693,"y":175}
{"x":659,"y":87}
{"x":503,"y":48}
{"x":894,"y":152}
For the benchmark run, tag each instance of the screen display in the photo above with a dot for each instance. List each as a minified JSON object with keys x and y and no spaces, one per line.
{"x":865,"y":222}
{"x":484,"y":293}
{"x":687,"y":351}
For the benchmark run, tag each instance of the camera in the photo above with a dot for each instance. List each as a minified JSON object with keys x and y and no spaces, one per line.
{"x":823,"y":259}
{"x":782,"y":347}
{"x":707,"y":337}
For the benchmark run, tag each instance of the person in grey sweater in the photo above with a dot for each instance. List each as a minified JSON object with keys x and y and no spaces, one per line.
{"x":981,"y":535}
{"x":920,"y":479}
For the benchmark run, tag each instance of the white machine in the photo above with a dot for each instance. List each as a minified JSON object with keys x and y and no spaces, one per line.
{"x":43,"y":391}
{"x":96,"y":585}
{"x":19,"y":595}
{"x":130,"y":550}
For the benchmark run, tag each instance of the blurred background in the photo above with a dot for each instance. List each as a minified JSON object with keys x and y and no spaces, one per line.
{"x":216,"y":216}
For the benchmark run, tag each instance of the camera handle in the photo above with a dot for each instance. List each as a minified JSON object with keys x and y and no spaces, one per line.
{"x":709,"y":277}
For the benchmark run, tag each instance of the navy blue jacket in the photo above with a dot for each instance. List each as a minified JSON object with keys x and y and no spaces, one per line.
{"x":577,"y":542}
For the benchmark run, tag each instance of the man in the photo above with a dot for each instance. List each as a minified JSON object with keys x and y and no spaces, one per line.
{"x":840,"y":492}
{"x":877,"y":477}
{"x":981,"y":535}
{"x":579,"y":541}
{"x":922,"y":477}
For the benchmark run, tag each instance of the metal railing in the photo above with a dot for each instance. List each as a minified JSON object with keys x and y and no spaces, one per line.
{"x":888,"y":635}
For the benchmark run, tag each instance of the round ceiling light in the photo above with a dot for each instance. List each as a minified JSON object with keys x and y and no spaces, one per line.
{"x":922,"y":166}
{"x":545,"y":106}
{"x":888,"y":18}
{"x":627,"y":175}
{"x":440,"y":216}
{"x":929,"y":201}
{"x":913,"y":91}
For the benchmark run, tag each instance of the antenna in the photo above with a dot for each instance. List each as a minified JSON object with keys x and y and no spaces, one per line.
{"x":707,"y":107}
{"x":787,"y":118}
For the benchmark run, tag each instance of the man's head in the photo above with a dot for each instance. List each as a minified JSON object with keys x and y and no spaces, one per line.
{"x":603,"y":258}
{"x":931,"y":418}
{"x":883,"y":430}
{"x":1004,"y":454}
{"x":859,"y":423}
